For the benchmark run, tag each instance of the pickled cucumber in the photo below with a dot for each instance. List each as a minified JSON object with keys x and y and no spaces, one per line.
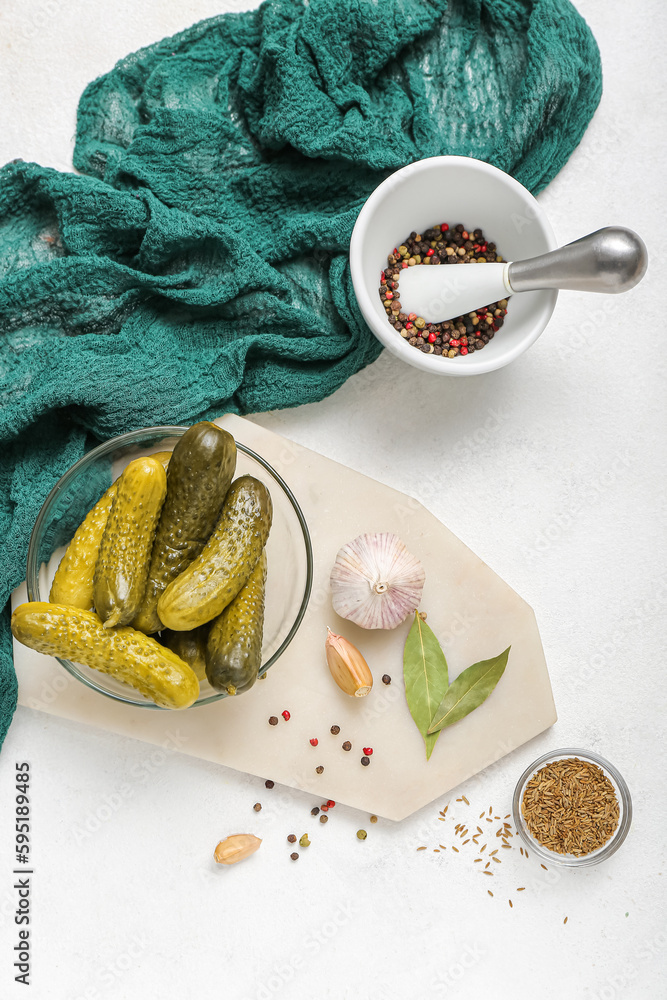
{"x":126,"y":654}
{"x":124,"y":556}
{"x":234,"y":647}
{"x":223,"y":567}
{"x":73,"y":581}
{"x":200,"y":473}
{"x":190,"y":646}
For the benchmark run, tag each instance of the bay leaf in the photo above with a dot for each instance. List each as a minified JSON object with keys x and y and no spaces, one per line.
{"x":426,"y":677}
{"x":468,"y":691}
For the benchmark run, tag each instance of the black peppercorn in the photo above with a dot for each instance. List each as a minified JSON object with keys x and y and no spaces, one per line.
{"x":347,"y":745}
{"x":335,"y":730}
{"x":319,"y":769}
{"x":386,"y":679}
{"x":257,"y":806}
{"x":292,"y":838}
{"x":269,"y":783}
{"x":365,"y":761}
{"x":314,"y":811}
{"x":273,"y":721}
{"x":294,"y":856}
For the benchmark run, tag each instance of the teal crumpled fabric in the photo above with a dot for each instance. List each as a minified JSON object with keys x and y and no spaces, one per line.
{"x":197,"y":264}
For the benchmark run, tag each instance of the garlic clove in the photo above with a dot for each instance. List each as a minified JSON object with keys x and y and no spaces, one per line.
{"x":375,"y":581}
{"x":348,"y":667}
{"x":236,"y":848}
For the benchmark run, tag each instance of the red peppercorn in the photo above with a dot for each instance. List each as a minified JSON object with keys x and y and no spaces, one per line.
{"x":495,"y":328}
{"x":430,"y":252}
{"x":464,"y":341}
{"x":464,"y":350}
{"x":465,"y":235}
{"x":324,"y":807}
{"x":381,"y":275}
{"x":389,"y":295}
{"x":431,"y":338}
{"x":412,"y":317}
{"x":454,"y":343}
{"x":444,"y":227}
{"x":285,"y":715}
{"x":313,"y":742}
{"x":330,"y":804}
{"x":368,"y":751}
{"x":405,"y":264}
{"x":408,"y":326}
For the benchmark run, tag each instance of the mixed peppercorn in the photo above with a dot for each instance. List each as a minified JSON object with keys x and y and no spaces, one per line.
{"x":442,"y":245}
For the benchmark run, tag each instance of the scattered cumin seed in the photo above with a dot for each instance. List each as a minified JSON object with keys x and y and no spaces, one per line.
{"x":491,"y":853}
{"x":497,"y":860}
{"x":508,"y":816}
{"x":455,"y":849}
{"x":490,"y":810}
{"x":421,"y":848}
{"x":489,"y":892}
{"x":545,"y":868}
{"x":436,"y":850}
{"x":481,"y":815}
{"x":443,"y":847}
{"x":522,"y":889}
{"x":488,"y":864}
{"x":511,"y":903}
{"x":459,"y":800}
{"x":489,"y":820}
{"x":507,"y":846}
{"x":476,"y":860}
{"x":441,"y":818}
{"x":565,"y":921}
{"x":482,"y":848}
{"x":466,"y":842}
{"x":465,"y":800}
{"x":487,"y":873}
{"x":479,"y":829}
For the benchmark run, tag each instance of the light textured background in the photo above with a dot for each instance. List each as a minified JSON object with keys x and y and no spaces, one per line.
{"x":553,"y":471}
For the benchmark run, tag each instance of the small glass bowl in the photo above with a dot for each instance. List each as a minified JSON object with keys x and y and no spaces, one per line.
{"x":624,"y":804}
{"x":289,"y":551}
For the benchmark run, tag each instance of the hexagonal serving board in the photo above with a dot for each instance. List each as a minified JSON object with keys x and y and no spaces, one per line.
{"x":473,"y":612}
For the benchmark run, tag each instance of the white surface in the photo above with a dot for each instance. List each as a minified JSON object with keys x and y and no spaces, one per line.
{"x":473,"y":612}
{"x":551,"y":469}
{"x":453,"y":189}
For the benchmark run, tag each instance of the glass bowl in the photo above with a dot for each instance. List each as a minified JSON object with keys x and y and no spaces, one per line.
{"x":289,"y":551}
{"x":624,"y":804}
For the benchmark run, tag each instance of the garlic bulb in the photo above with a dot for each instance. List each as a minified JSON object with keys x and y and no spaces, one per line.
{"x":375,"y":581}
{"x":348,"y":667}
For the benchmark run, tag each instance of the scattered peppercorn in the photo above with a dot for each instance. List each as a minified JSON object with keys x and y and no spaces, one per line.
{"x":386,"y":679}
{"x":273,"y":721}
{"x":330,"y":803}
{"x":285,"y":715}
{"x":257,"y":806}
{"x":292,"y":838}
{"x":368,"y":751}
{"x":361,"y":834}
{"x":365,"y":761}
{"x":323,"y":819}
{"x":313,"y":742}
{"x":460,"y":336}
{"x":294,"y":856}
{"x":319,"y":769}
{"x":314,"y":811}
{"x":335,"y":730}
{"x":324,"y":807}
{"x":269,"y":783}
{"x":303,"y":841}
{"x":347,"y":745}
{"x":374,"y":819}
